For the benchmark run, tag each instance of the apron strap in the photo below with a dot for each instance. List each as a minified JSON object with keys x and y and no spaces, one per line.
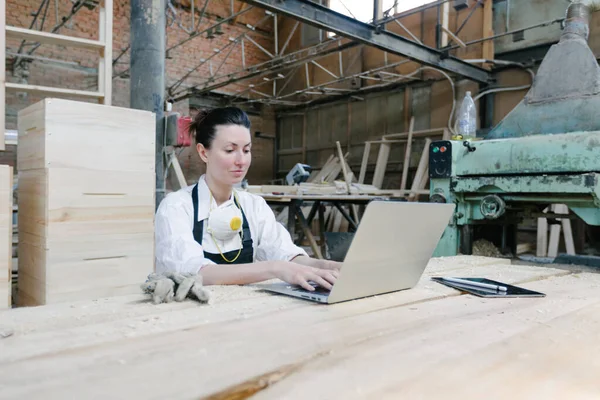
{"x":199,"y":225}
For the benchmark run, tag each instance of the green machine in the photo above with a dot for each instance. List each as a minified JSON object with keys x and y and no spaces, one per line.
{"x":545,"y":151}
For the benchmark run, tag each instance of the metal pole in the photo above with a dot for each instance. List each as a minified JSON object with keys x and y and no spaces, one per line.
{"x":376,"y":13}
{"x":148,"y":26}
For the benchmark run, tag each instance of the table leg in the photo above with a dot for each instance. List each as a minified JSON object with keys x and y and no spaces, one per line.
{"x":311,"y":216}
{"x":345,"y":215}
{"x":322,"y":228}
{"x":308,"y":234}
{"x":291,"y":225}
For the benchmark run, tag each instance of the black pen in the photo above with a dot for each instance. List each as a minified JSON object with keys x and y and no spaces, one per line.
{"x":476,"y":284}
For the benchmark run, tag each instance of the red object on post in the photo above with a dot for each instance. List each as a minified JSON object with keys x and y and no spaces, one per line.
{"x":183,"y":136}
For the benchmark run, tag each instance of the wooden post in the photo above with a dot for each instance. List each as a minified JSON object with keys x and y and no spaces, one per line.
{"x":343,"y":163}
{"x":365,"y":162}
{"x":105,"y":65}
{"x":2,"y":72}
{"x":304,"y":138}
{"x":566,"y":228}
{"x":445,"y":22}
{"x":381,"y":165}
{"x":406,"y":165}
{"x":542,"y":237}
{"x":488,"y":31}
{"x":421,"y":170}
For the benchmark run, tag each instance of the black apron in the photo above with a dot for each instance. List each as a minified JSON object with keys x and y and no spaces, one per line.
{"x":246,"y":255}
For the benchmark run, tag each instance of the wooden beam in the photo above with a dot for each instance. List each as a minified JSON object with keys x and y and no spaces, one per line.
{"x":343,"y":162}
{"x":365,"y":161}
{"x":243,"y":6}
{"x":381,"y":166}
{"x":566,"y":228}
{"x":105,"y":63}
{"x":421,"y":171}
{"x":54,"y":39}
{"x":2,"y":73}
{"x":541,"y":249}
{"x":488,"y":31}
{"x":445,"y":22}
{"x":454,"y":37}
{"x":415,"y":134}
{"x":46,"y":90}
{"x":406,"y":165}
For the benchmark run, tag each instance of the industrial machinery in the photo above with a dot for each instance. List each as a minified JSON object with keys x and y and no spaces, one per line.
{"x":545,"y":151}
{"x":298,"y":174}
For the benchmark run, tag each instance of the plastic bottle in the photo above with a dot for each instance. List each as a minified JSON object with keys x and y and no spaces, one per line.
{"x":467,"y":118}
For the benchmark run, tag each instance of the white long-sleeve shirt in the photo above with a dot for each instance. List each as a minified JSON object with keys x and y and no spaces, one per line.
{"x":176,"y":249}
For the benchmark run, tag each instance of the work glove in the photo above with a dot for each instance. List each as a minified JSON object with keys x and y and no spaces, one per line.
{"x":170,"y":286}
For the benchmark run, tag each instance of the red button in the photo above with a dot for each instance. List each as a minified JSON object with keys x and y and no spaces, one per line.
{"x":443,"y":149}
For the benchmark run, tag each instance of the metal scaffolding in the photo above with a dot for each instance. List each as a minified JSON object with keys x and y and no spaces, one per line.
{"x":280,"y":68}
{"x":269,"y":81}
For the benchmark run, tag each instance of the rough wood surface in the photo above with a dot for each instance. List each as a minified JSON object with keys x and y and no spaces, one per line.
{"x":6,"y":202}
{"x":249,"y":342}
{"x":86,"y":217}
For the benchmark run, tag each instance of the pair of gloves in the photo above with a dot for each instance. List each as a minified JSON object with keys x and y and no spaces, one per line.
{"x":170,"y":286}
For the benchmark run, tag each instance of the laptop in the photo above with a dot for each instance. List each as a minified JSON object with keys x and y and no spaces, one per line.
{"x":390,"y":250}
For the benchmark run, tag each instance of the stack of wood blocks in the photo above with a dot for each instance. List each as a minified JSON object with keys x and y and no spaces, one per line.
{"x":86,"y":201}
{"x":6,"y":182}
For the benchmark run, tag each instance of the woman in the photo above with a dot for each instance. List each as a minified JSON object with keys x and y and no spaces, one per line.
{"x":229,"y":236}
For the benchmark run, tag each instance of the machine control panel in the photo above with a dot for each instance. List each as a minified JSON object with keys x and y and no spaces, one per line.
{"x":440,"y":159}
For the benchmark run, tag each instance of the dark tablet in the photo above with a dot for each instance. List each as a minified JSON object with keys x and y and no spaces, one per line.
{"x":511,"y":291}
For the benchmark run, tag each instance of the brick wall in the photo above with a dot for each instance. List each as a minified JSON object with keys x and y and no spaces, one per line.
{"x":77,"y":68}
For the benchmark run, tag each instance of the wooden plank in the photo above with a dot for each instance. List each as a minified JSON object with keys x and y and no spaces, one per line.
{"x":381,"y":165}
{"x":406,"y":164}
{"x":53,"y":39}
{"x":364,"y":163}
{"x":84,"y":234}
{"x":77,"y":323}
{"x":488,"y":31}
{"x":52,"y":91}
{"x":105,"y":63}
{"x":454,"y":37}
{"x":363,"y":330}
{"x":174,"y":163}
{"x":6,"y":203}
{"x":421,"y":171}
{"x":416,"y":134}
{"x":566,"y":229}
{"x":511,"y":358}
{"x":86,"y":226}
{"x":554,"y":235}
{"x":115,"y":139}
{"x":2,"y":74}
{"x":541,"y":249}
{"x":445,"y":23}
{"x":318,"y":178}
{"x":343,"y":163}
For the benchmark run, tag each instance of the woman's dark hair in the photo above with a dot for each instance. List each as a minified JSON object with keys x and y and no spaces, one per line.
{"x":206,"y":121}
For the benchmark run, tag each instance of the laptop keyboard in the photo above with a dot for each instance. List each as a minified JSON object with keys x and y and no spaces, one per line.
{"x":318,"y":289}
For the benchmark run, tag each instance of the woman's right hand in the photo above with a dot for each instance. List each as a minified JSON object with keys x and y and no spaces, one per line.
{"x":296,"y":274}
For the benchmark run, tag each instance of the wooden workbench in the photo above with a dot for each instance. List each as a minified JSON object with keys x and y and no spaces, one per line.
{"x":429,"y":342}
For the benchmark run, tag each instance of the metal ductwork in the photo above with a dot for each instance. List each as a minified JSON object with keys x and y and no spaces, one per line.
{"x":564,"y":95}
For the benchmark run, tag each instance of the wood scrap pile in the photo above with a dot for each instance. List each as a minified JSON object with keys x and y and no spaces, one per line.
{"x":327,"y":181}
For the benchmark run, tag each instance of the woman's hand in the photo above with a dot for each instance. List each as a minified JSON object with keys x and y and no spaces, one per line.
{"x":297,"y":274}
{"x":327,"y":265}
